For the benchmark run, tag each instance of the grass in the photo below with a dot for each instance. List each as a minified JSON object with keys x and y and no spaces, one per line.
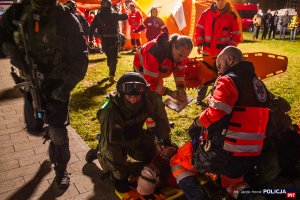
{"x":89,"y":94}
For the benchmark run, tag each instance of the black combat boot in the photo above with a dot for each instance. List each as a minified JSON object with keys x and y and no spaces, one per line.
{"x":91,"y":155}
{"x":62,"y":179}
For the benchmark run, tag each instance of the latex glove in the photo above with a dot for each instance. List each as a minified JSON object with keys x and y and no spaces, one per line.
{"x":61,"y":94}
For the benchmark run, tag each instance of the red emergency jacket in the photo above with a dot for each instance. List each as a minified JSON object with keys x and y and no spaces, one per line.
{"x":236,"y":118}
{"x":154,"y":61}
{"x":134,"y":19}
{"x":154,"y":26}
{"x":217,"y":29}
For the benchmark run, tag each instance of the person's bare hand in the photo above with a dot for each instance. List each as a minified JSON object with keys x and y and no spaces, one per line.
{"x":199,"y":50}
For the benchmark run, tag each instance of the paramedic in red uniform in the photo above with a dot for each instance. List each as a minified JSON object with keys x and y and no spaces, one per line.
{"x":153,"y":25}
{"x":227,"y":137}
{"x":135,"y":19}
{"x":157,"y":60}
{"x":216,"y":29}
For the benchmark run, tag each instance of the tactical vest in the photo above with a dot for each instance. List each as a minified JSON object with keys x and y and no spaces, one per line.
{"x":43,"y":40}
{"x":132,"y":125}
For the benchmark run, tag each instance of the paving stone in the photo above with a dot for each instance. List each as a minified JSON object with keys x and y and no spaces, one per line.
{"x":16,"y":155}
{"x":6,"y":150}
{"x":11,"y":184}
{"x":36,"y":158}
{"x":18,"y":172}
{"x":9,"y":165}
{"x":28,"y":145}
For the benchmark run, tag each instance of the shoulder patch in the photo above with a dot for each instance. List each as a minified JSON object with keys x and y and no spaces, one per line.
{"x":260,"y":90}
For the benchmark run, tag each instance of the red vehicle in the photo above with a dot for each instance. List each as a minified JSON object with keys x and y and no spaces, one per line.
{"x":247,"y":12}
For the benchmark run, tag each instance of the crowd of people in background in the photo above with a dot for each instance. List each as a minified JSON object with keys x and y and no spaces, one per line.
{"x":271,"y":23}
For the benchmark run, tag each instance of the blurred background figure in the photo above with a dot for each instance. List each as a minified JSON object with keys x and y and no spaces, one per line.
{"x":153,"y":25}
{"x":135,"y":19}
{"x":273,"y":25}
{"x":283,"y":24}
{"x":257,"y":22}
{"x":267,"y":24}
{"x":83,"y":22}
{"x":106,"y":22}
{"x":293,"y":26}
{"x":96,"y":46}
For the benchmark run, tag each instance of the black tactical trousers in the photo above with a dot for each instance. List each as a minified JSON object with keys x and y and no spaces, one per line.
{"x":56,"y":118}
{"x":110,"y":47}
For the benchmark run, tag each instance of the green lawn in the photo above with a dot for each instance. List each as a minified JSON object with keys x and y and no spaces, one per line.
{"x":90,"y":93}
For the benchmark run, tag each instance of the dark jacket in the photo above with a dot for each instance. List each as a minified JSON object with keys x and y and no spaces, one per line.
{"x":57,"y":45}
{"x":106,"y":23}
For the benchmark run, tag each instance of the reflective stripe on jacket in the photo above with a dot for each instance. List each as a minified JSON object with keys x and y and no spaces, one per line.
{"x":246,"y":131}
{"x":181,"y":163}
{"x":217,"y":29}
{"x":241,"y":97}
{"x":155,"y":63}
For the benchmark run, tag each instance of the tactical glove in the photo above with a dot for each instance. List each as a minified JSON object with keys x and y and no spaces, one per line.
{"x":61,"y":94}
{"x":194,"y":130}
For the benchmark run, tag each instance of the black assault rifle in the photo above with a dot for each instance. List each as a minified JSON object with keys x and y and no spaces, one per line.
{"x":32,"y":81}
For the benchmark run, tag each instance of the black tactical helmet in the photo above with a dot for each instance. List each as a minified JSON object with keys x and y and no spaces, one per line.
{"x":72,"y":5}
{"x":132,"y":83}
{"x":105,"y":4}
{"x":41,"y":5}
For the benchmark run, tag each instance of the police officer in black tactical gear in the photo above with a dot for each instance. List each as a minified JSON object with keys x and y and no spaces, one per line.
{"x":106,"y":23}
{"x":45,"y":41}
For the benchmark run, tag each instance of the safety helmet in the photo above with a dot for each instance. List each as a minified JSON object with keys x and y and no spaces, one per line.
{"x":132,"y":83}
{"x":41,"y":5}
{"x":72,"y":5}
{"x":147,"y":181}
{"x":105,"y":4}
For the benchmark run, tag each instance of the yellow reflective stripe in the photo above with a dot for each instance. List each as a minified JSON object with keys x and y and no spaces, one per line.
{"x":233,"y":42}
{"x":149,"y":73}
{"x":181,"y":67}
{"x":241,"y":148}
{"x":177,"y":79}
{"x":244,"y":136}
{"x":200,"y":26}
{"x":220,"y":105}
{"x":235,"y":32}
{"x":183,"y":175}
{"x":208,"y":37}
{"x":223,"y":39}
{"x":176,"y":167}
{"x":159,"y":88}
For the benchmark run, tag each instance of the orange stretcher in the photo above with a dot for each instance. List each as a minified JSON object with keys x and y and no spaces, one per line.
{"x":201,"y":71}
